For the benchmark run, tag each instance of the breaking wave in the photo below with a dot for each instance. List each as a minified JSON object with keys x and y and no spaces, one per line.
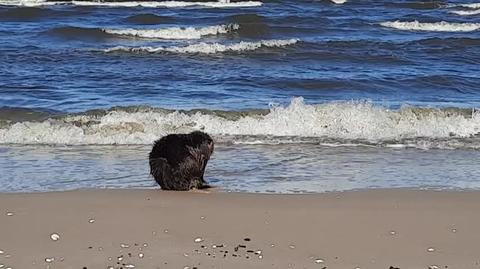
{"x":433,"y":27}
{"x":207,"y":48}
{"x":175,"y":32}
{"x":466,"y":12}
{"x":343,"y":123}
{"x":149,"y":4}
{"x":471,"y":5}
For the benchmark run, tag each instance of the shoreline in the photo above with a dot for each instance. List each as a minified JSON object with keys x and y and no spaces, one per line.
{"x":157,"y":229}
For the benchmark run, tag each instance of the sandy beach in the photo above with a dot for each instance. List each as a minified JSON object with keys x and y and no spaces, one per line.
{"x":157,"y":229}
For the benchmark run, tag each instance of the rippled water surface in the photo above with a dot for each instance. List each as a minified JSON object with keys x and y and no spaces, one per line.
{"x":298,"y":168}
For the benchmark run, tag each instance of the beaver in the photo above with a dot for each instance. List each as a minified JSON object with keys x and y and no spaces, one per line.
{"x":178,"y":161}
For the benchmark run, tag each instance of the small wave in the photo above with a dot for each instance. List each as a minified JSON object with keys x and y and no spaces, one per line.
{"x":207,"y":48}
{"x":466,"y":12}
{"x":471,"y":5}
{"x":359,"y":123}
{"x":148,"y":4}
{"x":339,"y":1}
{"x":148,"y":19}
{"x":251,"y":25}
{"x":418,"y":5}
{"x":29,"y":3}
{"x":433,"y":27}
{"x":175,"y":32}
{"x":26,"y":14}
{"x":72,"y":32}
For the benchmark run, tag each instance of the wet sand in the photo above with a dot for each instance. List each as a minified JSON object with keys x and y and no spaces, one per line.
{"x":155,"y":229}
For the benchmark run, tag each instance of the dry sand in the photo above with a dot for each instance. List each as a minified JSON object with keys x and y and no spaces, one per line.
{"x":368,"y":229}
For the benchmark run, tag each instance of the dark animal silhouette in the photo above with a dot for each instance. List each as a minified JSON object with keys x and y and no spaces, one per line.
{"x":178,"y":161}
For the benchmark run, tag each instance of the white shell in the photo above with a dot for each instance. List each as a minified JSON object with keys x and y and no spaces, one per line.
{"x":198,"y":240}
{"x":55,"y":236}
{"x":49,"y":260}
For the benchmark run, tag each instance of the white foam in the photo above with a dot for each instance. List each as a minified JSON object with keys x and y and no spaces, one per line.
{"x":153,"y":4}
{"x":207,"y":48}
{"x":175,"y":32}
{"x":339,"y":1}
{"x":434,"y":27}
{"x":348,"y":121}
{"x":29,"y":3}
{"x":466,"y":12}
{"x":149,"y":4}
{"x":471,"y":5}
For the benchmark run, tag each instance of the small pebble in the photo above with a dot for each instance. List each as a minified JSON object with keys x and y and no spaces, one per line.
{"x":198,"y":240}
{"x":145,"y":245}
{"x":393,"y":233}
{"x":54,"y":236}
{"x":165,"y":231}
{"x":272,"y":245}
{"x":140,"y":255}
{"x":49,"y":260}
{"x":433,"y":267}
{"x":120,"y":258}
{"x":1,"y":251}
{"x":129,"y":266}
{"x":124,"y":246}
{"x":110,"y":267}
{"x":291,"y":246}
{"x":454,"y":230}
{"x":258,"y":252}
{"x":91,"y":220}
{"x":247,"y":239}
{"x":202,"y":217}
{"x":9,"y":214}
{"x":260,"y":256}
{"x":185,"y":254}
{"x":1,"y":265}
{"x":430,"y":249}
{"x":100,"y":248}
{"x":186,"y":267}
{"x":319,"y":261}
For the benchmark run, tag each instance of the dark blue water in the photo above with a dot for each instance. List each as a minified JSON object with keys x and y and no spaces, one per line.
{"x":382,"y":74}
{"x":49,"y":60}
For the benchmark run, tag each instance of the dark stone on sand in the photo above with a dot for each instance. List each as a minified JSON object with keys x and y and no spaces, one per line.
{"x":391,"y":267}
{"x":247,"y":239}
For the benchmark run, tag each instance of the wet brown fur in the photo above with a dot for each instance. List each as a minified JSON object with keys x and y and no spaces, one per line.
{"x":178,"y":161}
